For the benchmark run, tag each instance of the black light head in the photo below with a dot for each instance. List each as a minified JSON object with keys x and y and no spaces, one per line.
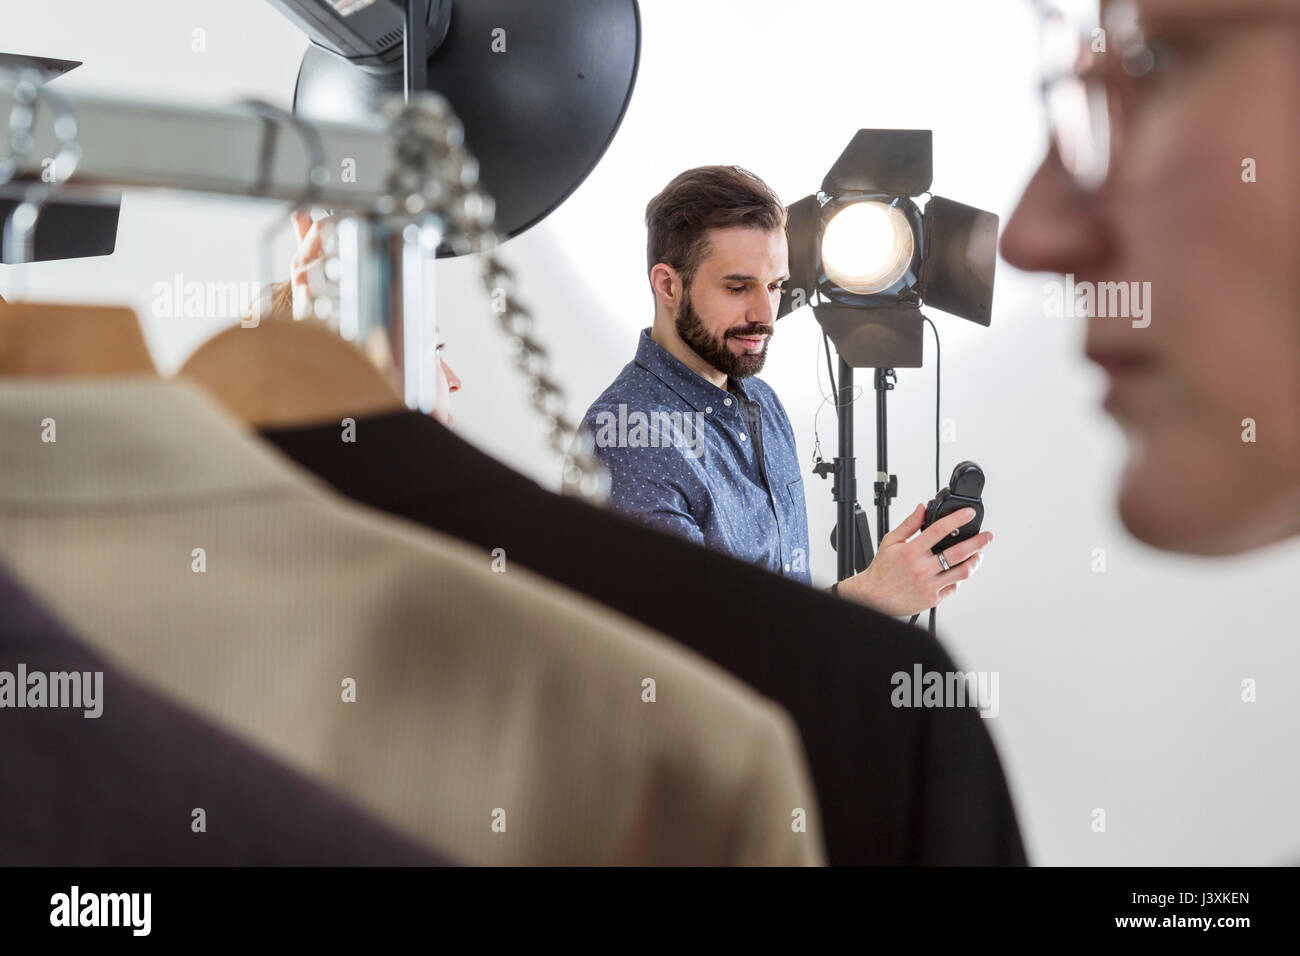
{"x":366,"y":33}
{"x":540,"y":88}
{"x":47,"y":66}
{"x":64,"y":230}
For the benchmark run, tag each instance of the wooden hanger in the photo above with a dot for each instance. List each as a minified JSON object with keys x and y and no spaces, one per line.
{"x":285,"y":372}
{"x":280,"y":373}
{"x":49,"y":340}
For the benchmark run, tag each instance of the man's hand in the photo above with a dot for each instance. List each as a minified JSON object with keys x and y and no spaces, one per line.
{"x":905,"y":577}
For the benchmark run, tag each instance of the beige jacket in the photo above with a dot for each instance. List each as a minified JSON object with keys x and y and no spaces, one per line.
{"x":497,"y":716}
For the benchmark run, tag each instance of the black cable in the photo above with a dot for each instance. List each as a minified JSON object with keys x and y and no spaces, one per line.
{"x":938,"y":371}
{"x":827,"y":399}
{"x":830,"y":370}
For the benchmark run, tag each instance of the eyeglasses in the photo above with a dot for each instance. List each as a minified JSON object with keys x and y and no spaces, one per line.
{"x":1079,"y":84}
{"x":1092,"y":71}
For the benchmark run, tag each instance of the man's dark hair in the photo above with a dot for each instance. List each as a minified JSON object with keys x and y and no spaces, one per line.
{"x":700,"y":199}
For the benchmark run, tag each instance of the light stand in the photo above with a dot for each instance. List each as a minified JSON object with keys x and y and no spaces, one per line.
{"x":886,"y":485}
{"x":844,"y":489}
{"x":851,"y":526}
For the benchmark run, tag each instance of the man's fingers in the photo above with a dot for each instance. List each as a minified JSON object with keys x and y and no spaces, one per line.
{"x":962,"y":550}
{"x":960,"y":572}
{"x":944,"y":527}
{"x":906,"y":528}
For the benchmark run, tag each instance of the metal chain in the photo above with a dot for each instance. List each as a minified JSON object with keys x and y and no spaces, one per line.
{"x":430,"y":139}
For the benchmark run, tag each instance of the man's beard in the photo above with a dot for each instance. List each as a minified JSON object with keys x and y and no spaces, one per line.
{"x":714,"y":351}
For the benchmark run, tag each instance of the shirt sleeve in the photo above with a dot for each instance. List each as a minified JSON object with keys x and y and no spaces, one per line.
{"x":644,"y":485}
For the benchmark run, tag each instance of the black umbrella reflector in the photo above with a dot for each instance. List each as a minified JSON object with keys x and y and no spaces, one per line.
{"x":541,"y":88}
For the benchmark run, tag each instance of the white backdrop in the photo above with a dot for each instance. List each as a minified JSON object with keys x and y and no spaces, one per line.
{"x":1119,"y":690}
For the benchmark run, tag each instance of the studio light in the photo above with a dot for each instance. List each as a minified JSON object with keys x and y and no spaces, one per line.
{"x":867,"y":251}
{"x":866,"y":255}
{"x":867,"y":247}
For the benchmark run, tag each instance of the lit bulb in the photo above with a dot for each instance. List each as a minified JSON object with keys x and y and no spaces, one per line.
{"x":867,"y":247}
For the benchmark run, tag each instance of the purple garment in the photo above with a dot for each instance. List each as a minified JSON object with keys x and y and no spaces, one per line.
{"x":120,"y":789}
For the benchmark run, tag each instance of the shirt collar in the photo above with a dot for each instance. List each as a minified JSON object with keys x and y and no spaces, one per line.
{"x":696,"y":391}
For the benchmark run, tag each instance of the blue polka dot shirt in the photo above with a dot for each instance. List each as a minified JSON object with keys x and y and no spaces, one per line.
{"x":717,"y":466}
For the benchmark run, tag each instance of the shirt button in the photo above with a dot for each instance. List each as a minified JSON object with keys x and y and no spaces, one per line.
{"x":787,"y":566}
{"x":726,"y":401}
{"x":708,"y":409}
{"x":742,"y":436}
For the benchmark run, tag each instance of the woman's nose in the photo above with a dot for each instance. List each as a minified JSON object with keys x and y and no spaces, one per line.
{"x":1056,"y":226}
{"x":453,"y":380}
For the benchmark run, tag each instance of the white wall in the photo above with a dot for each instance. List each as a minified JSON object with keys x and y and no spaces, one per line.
{"x":1118,"y":690}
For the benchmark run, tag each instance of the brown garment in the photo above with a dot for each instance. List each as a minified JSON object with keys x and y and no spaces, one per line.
{"x":197,"y":559}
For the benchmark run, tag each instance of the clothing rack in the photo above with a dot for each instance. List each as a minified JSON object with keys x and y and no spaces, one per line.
{"x":396,"y":181}
{"x":404,"y":184}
